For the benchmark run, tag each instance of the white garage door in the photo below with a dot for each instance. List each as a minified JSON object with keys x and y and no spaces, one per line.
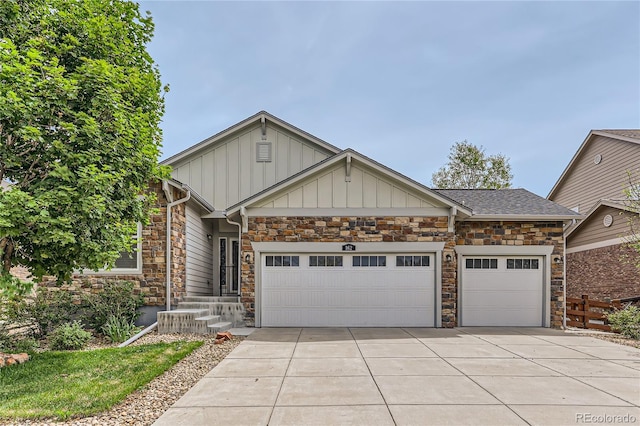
{"x":502,"y":291}
{"x":348,"y":290}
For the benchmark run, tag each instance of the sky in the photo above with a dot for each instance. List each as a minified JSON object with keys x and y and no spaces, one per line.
{"x":401,"y":82}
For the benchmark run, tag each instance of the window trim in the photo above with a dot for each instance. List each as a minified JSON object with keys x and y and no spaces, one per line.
{"x":123,"y":271}
{"x":282,"y":265}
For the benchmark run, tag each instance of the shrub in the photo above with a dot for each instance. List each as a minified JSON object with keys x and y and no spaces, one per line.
{"x":26,"y":344}
{"x":42,"y":313}
{"x":118,"y":329}
{"x":626,"y":321}
{"x":116,"y":300}
{"x":70,"y":336}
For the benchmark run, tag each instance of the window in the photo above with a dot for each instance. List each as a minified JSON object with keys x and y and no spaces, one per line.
{"x":369,"y":261}
{"x":523,"y":263}
{"x":129,"y":262}
{"x":283,"y":261}
{"x":330,"y":261}
{"x":481,"y":263}
{"x":412,"y":260}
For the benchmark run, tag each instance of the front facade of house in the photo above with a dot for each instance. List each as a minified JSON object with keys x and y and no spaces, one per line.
{"x":306,"y":234}
{"x":599,"y":264}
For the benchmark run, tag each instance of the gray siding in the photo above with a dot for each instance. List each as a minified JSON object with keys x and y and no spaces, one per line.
{"x":366,"y":189}
{"x":228,"y":172}
{"x":593,"y":231}
{"x":587,"y":183}
{"x":199,"y":257}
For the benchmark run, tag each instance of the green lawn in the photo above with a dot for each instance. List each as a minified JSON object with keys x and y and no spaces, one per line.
{"x":81,"y":383}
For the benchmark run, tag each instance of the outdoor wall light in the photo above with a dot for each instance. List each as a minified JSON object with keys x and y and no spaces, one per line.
{"x":558,"y":259}
{"x":209,"y":237}
{"x":448,"y":258}
{"x":247,"y":257}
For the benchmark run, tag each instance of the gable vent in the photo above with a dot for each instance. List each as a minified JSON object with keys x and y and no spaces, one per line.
{"x":263,"y":152}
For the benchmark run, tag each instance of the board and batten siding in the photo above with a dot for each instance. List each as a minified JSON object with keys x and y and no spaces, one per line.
{"x":199,"y":256}
{"x":587,"y":182}
{"x":331,"y":190}
{"x":594,"y":230}
{"x":228,"y":172}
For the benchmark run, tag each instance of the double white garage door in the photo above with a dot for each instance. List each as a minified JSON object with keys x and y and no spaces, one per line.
{"x":396,"y":290}
{"x":356,"y":290}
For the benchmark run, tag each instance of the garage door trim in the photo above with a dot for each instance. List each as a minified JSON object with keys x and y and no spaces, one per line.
{"x":543,"y":251}
{"x":261,"y":248}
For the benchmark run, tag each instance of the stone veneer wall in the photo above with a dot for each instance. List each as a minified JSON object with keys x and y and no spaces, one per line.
{"x":348,"y":229}
{"x":522,"y":234}
{"x":605,"y":273}
{"x":151,"y":283}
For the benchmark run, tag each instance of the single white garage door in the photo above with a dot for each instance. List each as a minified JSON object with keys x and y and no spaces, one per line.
{"x":348,"y":290}
{"x":502,"y":291}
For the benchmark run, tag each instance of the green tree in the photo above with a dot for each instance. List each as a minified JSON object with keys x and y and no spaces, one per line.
{"x":80,"y":106}
{"x":470,"y":168}
{"x":632,"y":202}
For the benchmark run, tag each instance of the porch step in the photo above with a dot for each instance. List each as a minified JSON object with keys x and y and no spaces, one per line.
{"x":219,"y":326}
{"x":179,"y":320}
{"x":211,"y":299}
{"x":202,"y":315}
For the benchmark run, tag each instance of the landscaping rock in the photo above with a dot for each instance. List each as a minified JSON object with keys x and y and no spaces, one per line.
{"x":11,"y":359}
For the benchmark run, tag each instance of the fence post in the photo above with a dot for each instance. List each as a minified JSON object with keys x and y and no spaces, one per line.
{"x":585,"y":307}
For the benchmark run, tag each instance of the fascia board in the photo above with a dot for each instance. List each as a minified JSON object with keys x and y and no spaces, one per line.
{"x":331,"y":161}
{"x":212,"y":140}
{"x":593,"y":210}
{"x":520,"y":217}
{"x":582,"y":148}
{"x":569,"y":166}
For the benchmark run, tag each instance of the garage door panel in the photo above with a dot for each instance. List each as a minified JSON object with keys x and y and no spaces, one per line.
{"x":348,"y":295}
{"x":497,"y":296}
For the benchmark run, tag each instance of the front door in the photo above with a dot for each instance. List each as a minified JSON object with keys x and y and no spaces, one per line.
{"x":229,"y":255}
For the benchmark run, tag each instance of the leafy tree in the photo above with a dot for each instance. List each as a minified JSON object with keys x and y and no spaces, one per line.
{"x":80,"y":106}
{"x":632,"y":202}
{"x":470,"y":168}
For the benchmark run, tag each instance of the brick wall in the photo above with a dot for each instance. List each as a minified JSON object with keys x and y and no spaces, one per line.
{"x":522,"y":234}
{"x":348,"y":229}
{"x":605,"y":273}
{"x":151,"y":283}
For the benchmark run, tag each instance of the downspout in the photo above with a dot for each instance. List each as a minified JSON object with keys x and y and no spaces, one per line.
{"x":165,"y":187}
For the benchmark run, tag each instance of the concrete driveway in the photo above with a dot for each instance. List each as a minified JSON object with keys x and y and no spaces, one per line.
{"x":413,"y":376}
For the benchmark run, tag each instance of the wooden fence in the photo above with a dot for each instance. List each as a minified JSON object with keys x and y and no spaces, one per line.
{"x":585,"y":313}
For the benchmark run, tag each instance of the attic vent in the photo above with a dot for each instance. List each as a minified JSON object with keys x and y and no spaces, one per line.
{"x":263,"y":152}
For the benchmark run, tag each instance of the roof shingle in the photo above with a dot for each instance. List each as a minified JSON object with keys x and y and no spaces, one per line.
{"x":506,"y":202}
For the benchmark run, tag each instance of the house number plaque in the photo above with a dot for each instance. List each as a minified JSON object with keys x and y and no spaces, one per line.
{"x":348,"y":247}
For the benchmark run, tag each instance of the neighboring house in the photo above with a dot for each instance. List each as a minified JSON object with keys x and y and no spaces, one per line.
{"x":306,"y":234}
{"x":598,"y":262}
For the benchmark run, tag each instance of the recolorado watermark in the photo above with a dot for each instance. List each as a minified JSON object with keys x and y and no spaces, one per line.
{"x":589,"y":418}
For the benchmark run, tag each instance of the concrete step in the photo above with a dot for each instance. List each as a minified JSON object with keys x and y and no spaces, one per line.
{"x":228,"y":311}
{"x":200,"y":325}
{"x":211,"y":299}
{"x":219,"y":326}
{"x":179,"y":320}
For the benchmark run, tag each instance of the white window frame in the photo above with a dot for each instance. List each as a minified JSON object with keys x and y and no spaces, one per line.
{"x":123,"y":271}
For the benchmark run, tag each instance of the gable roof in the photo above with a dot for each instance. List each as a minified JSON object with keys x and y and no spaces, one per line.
{"x":340,"y":157}
{"x":627,"y":135}
{"x":600,"y":204}
{"x":254,"y":119}
{"x":508,"y":203}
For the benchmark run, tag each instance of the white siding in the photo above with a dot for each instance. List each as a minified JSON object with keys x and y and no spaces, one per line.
{"x":228,"y":172}
{"x":199,"y":259}
{"x":366,"y":190}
